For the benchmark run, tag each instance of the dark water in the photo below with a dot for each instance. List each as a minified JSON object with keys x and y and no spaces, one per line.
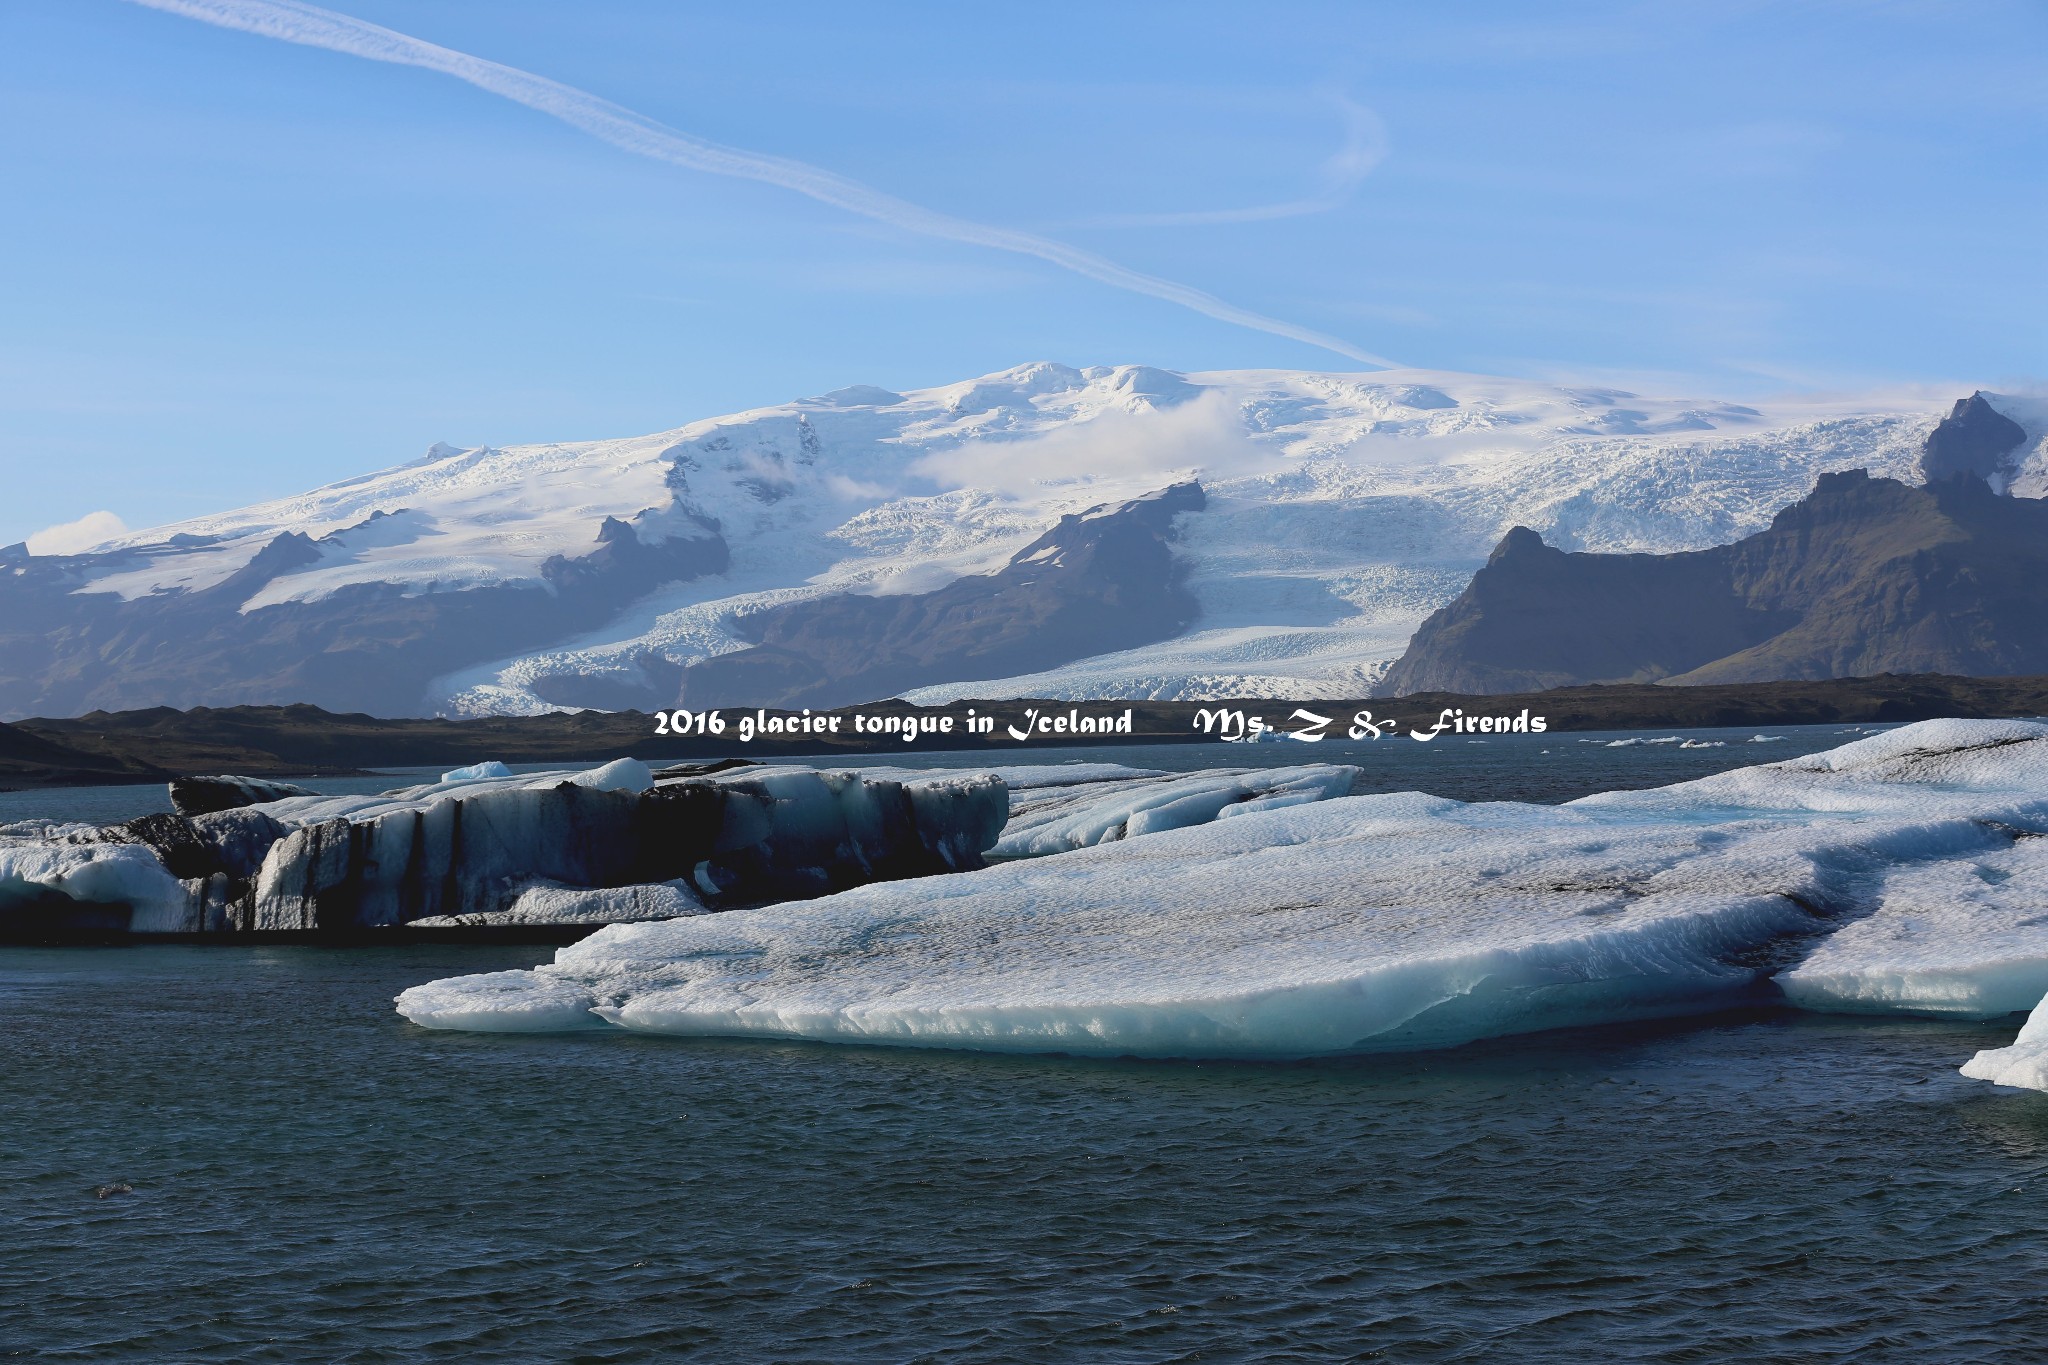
{"x":316,"y":1180}
{"x":1549,"y":767}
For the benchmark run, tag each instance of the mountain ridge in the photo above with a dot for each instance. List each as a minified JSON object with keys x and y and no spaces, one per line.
{"x":1341,"y":509}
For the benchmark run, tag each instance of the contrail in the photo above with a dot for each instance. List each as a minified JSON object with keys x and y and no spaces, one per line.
{"x":294,"y":22}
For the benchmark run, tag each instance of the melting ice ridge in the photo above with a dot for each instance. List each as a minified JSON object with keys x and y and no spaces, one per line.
{"x":1381,"y":923}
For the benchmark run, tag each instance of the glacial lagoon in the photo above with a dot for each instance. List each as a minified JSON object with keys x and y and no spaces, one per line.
{"x":310,"y":1176}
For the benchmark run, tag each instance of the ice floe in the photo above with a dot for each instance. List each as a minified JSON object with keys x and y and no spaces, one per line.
{"x":1964,"y":936}
{"x":1355,"y":924}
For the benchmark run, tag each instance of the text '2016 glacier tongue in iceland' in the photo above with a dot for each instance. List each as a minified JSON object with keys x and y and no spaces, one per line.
{"x":1229,"y":725}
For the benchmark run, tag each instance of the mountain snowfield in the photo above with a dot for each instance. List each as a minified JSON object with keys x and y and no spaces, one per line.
{"x":1343,"y":508}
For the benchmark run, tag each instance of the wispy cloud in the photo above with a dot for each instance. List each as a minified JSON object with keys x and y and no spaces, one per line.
{"x":294,"y":22}
{"x":1364,"y":148}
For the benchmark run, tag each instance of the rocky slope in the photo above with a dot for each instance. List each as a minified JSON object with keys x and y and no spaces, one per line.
{"x":1101,"y":580}
{"x":1863,"y":576}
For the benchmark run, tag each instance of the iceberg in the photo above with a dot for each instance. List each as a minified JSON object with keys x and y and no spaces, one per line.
{"x":477,"y":772}
{"x":204,"y":795}
{"x":1965,"y":937}
{"x":2024,"y":1065}
{"x":1344,"y":925}
{"x":563,"y":847}
{"x":1119,"y":804}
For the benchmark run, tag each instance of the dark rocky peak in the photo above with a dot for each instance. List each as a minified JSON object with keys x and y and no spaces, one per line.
{"x":1861,"y":577}
{"x":1117,"y":531}
{"x":1975,"y":441}
{"x":624,"y":566}
{"x":1520,"y":541}
{"x":288,"y":551}
{"x":1154,"y":511}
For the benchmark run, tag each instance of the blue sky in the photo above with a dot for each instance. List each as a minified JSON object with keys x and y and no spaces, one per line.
{"x":233,"y":268}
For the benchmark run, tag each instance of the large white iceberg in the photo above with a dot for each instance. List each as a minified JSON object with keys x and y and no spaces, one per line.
{"x":1349,"y":925}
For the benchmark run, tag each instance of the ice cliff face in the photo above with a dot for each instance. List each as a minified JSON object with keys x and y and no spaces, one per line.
{"x":1340,"y":509}
{"x":483,"y":847}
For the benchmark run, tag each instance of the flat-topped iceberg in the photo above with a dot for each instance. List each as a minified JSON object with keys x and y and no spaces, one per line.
{"x":1346,"y":925}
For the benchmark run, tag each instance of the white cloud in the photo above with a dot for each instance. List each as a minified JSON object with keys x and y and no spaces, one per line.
{"x":1132,"y":450}
{"x":75,"y":537}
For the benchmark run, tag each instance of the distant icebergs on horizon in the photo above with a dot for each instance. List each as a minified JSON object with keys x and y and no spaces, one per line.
{"x":1896,"y":874}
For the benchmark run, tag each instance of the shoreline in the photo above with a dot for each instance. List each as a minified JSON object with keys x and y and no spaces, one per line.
{"x":155,"y":745}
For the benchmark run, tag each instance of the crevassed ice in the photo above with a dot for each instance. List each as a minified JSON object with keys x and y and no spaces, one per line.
{"x":1348,"y":925}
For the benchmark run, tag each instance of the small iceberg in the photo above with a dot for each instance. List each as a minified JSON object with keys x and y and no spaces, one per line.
{"x":477,"y":772}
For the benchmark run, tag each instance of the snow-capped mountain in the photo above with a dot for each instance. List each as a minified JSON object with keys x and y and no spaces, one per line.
{"x":1340,"y":510}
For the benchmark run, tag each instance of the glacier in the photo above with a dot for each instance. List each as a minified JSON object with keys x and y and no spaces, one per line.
{"x":1342,"y":510}
{"x":1374,"y":923}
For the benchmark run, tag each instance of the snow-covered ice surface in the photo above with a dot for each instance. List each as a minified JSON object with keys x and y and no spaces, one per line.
{"x":1963,"y":936}
{"x":1356,"y":924}
{"x":545,"y":903}
{"x":1343,"y":508}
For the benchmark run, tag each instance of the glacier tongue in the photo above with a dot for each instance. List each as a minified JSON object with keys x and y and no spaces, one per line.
{"x":1349,"y":925}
